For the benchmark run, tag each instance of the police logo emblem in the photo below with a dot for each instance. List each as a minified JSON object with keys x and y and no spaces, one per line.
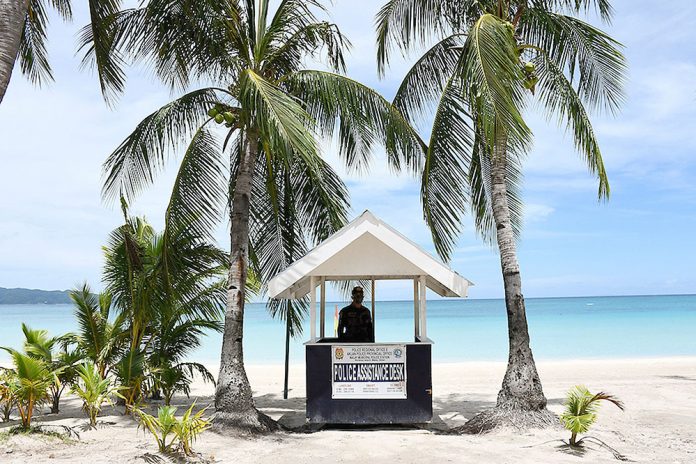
{"x":398,"y":352}
{"x":339,"y":353}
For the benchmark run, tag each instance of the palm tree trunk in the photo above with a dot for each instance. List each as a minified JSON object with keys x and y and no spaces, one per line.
{"x":521,"y":401}
{"x":55,"y":401}
{"x":521,"y":390}
{"x":234,"y":404}
{"x":6,"y":410}
{"x":12,"y":17}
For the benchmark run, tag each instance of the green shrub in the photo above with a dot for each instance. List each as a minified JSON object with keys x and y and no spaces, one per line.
{"x":7,"y":398}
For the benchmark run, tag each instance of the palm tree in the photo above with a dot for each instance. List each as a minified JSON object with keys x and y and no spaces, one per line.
{"x":490,"y":58}
{"x":99,"y":338}
{"x":581,"y":409}
{"x":177,"y":333}
{"x":38,"y":344}
{"x":23,"y":25}
{"x":167,"y":290}
{"x":93,"y":389}
{"x":30,"y":382}
{"x":279,"y":191}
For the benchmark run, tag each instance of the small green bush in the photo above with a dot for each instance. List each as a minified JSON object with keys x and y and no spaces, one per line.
{"x":7,"y":398}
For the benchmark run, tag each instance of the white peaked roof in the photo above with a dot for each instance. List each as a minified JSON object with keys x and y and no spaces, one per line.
{"x":367,"y":248}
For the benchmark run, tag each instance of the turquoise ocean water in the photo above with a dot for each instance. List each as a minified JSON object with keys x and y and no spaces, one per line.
{"x":463,"y":330}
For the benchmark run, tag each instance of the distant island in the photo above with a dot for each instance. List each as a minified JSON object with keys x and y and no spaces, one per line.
{"x":30,"y":296}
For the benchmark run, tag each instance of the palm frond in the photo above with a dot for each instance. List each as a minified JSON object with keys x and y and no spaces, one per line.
{"x":281,"y":120}
{"x":581,"y":50}
{"x":425,"y":81}
{"x":197,"y":197}
{"x":444,"y":188}
{"x":63,"y":8}
{"x":290,"y":54}
{"x":407,"y":23}
{"x":134,"y":164}
{"x":295,"y":33}
{"x":193,"y":367}
{"x":602,"y":396}
{"x":581,"y":408}
{"x":362,"y":117}
{"x":602,"y":7}
{"x":292,"y":311}
{"x":558,"y":96}
{"x":276,"y":234}
{"x":89,"y":320}
{"x":103,"y":52}
{"x":38,"y":344}
{"x":321,"y":202}
{"x":492,"y":80}
{"x":33,"y":56}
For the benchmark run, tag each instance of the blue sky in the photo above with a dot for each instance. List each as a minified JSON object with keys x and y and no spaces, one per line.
{"x":53,"y":141}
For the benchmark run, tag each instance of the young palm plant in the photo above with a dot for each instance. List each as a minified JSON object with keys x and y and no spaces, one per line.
{"x":30,"y":384}
{"x":185,"y":429}
{"x":489,"y":60}
{"x":99,"y":338}
{"x":94,"y":390}
{"x":38,"y":344}
{"x":580,"y":412}
{"x":164,"y":287}
{"x":177,"y":335}
{"x":268,"y":170}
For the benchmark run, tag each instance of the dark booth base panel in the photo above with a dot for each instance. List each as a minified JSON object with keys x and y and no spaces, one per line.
{"x":416,"y":409}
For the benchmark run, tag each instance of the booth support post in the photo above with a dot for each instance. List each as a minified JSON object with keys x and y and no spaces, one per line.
{"x":416,"y":312}
{"x":312,"y":308}
{"x":374,"y":310}
{"x":322,"y":304}
{"x":423,"y":309}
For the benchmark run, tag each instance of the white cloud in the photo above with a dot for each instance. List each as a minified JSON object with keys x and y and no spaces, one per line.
{"x":535,"y":212}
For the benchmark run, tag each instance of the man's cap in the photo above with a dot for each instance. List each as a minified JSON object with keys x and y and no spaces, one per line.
{"x":357,"y":290}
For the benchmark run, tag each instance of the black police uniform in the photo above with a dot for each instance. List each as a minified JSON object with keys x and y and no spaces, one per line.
{"x":355,"y":325}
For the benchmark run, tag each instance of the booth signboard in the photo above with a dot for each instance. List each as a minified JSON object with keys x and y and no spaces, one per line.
{"x":370,"y":371}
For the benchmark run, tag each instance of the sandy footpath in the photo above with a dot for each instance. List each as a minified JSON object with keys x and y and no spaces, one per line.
{"x":659,"y":424}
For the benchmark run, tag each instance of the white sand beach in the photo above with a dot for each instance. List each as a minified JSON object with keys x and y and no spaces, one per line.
{"x":658,"y":425}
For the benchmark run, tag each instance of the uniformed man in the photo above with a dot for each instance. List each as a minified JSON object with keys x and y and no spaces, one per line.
{"x":355,"y":320}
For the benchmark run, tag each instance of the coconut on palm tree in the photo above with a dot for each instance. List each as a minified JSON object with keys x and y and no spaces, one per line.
{"x":489,"y":61}
{"x":271,"y":112}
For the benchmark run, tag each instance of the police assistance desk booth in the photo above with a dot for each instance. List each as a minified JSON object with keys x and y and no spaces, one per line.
{"x":368,"y":383}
